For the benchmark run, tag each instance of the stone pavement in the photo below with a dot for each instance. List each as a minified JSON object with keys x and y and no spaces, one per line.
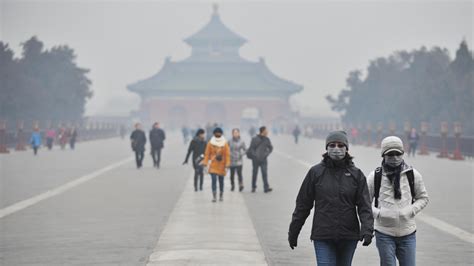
{"x":125,"y":216}
{"x":200,"y":232}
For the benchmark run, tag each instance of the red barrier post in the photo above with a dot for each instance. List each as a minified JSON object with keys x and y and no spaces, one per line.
{"x":379,"y":134}
{"x":392,"y":127}
{"x":3,"y":137}
{"x":443,"y":153}
{"x":406,"y":129}
{"x":424,"y":133}
{"x":369,"y":134}
{"x":457,"y":155}
{"x":21,"y":141}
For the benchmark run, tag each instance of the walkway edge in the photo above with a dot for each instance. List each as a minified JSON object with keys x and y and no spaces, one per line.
{"x":16,"y":207}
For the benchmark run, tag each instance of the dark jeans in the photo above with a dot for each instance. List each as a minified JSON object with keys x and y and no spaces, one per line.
{"x":72,"y":144}
{"x":392,"y":248}
{"x":139,"y":157}
{"x":49,"y":143}
{"x":35,"y":150}
{"x":214,"y":183}
{"x":156,"y":155}
{"x":198,"y":175}
{"x":334,"y":252}
{"x":233,"y":170}
{"x":412,"y":148}
{"x":263,"y":167}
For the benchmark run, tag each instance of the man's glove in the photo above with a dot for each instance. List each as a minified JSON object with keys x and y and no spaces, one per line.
{"x":293,"y":241}
{"x":367,"y":239}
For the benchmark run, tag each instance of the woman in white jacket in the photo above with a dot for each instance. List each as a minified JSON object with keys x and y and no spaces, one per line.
{"x":396,"y":202}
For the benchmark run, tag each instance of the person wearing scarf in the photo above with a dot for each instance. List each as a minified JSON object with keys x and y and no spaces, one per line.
{"x":395,"y":227}
{"x":217,"y":160}
{"x":337,"y":191}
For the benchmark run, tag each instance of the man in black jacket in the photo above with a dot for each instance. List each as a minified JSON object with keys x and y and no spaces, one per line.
{"x":157,"y":137}
{"x":339,"y":193}
{"x":138,"y":140}
{"x":197,"y":147}
{"x":259,"y":150}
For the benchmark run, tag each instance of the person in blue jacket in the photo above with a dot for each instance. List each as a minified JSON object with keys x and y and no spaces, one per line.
{"x":35,"y":140}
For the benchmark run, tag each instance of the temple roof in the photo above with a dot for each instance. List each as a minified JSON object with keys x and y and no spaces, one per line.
{"x":215,"y":79}
{"x":215,"y":68}
{"x":215,"y":32}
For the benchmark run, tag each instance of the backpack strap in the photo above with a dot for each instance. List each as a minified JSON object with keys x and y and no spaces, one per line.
{"x":411,"y":182}
{"x":377,"y":184}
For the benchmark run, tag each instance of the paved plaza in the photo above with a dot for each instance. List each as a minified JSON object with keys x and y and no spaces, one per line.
{"x":92,"y":206}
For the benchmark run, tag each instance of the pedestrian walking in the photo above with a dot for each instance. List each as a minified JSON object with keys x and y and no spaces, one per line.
{"x":197,"y":147}
{"x":50,"y":136}
{"x":122,"y":131}
{"x":217,"y":159}
{"x":157,"y":138}
{"x":138,"y":140}
{"x":296,"y":133}
{"x":413,"y":139}
{"x":252,"y":131}
{"x":63,"y":137}
{"x":399,"y":194}
{"x":259,"y":150}
{"x":35,"y":140}
{"x":209,"y":130}
{"x":338,"y":191}
{"x":185,"y":132}
{"x":237,"y":152}
{"x":73,"y":138}
{"x":354,"y":135}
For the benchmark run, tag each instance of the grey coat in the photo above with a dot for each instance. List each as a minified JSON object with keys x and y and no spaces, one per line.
{"x":237,"y":151}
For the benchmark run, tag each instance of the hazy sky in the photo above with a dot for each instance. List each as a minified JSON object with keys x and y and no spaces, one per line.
{"x":314,"y":43}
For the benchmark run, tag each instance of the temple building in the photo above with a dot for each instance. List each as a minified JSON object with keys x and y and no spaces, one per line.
{"x":215,"y":84}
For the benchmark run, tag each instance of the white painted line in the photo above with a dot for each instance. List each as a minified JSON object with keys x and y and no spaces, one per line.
{"x":447,"y":228}
{"x":427,"y":219}
{"x":59,"y":190}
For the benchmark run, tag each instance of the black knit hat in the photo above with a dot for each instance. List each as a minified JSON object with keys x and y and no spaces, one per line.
{"x":199,"y":132}
{"x":337,"y":136}
{"x":218,"y":130}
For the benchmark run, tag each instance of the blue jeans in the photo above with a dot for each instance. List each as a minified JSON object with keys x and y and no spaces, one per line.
{"x":264,"y":169}
{"x":214,"y":183}
{"x":392,"y":248}
{"x":334,"y":252}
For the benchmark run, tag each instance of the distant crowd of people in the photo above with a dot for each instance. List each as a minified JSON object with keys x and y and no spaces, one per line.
{"x":210,"y":151}
{"x":62,"y":136}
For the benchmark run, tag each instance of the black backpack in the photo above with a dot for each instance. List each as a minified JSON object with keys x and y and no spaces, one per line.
{"x":378,"y":183}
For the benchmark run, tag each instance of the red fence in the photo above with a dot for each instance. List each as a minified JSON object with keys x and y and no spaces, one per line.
{"x":18,"y":137}
{"x":445,"y":145}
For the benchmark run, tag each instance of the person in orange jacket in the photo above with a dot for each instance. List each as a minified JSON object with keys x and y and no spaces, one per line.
{"x":217,"y":160}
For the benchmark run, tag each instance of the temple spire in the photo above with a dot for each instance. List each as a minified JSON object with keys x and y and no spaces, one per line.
{"x":215,"y":8}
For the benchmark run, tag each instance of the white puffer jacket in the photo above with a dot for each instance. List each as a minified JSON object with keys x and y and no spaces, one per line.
{"x":396,"y":217}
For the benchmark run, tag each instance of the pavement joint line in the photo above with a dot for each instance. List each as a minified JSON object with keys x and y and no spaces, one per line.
{"x":16,"y":207}
{"x":242,"y":248}
{"x":427,"y":219}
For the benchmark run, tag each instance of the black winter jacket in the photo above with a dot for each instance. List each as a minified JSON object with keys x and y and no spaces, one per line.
{"x":197,"y":147}
{"x":338,"y":191}
{"x":157,"y":137}
{"x":138,"y":139}
{"x":260,"y":147}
